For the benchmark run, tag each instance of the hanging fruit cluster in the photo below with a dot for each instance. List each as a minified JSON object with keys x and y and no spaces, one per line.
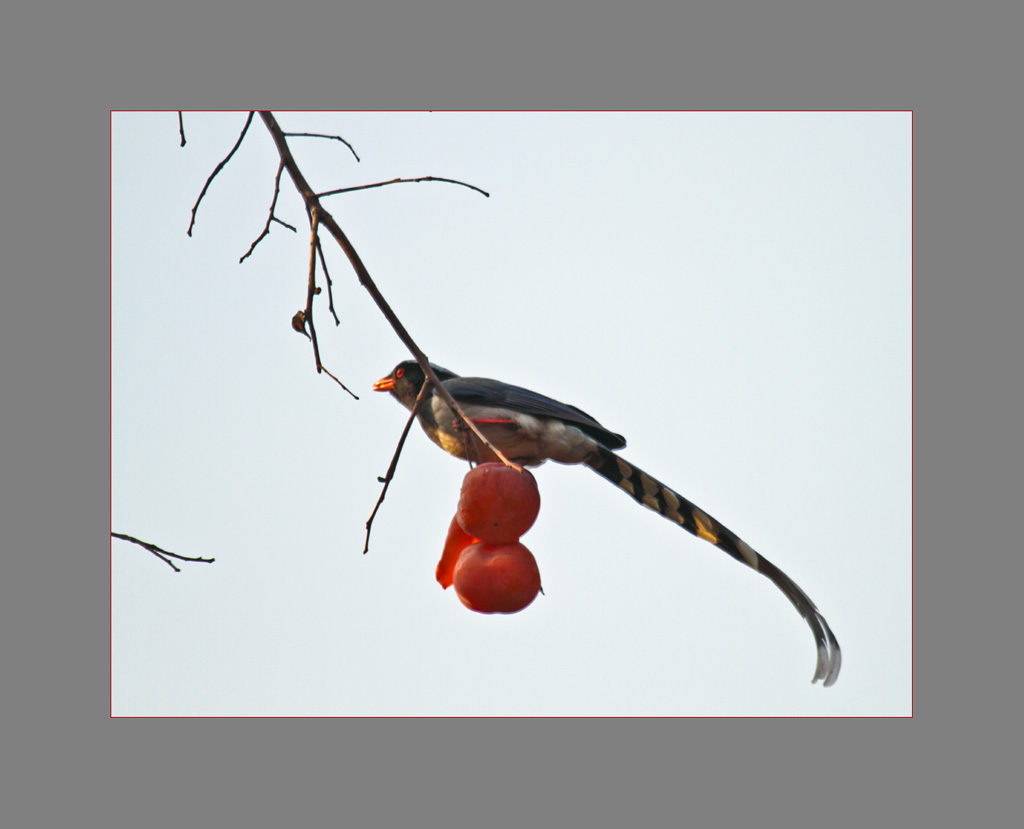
{"x":492,"y":572}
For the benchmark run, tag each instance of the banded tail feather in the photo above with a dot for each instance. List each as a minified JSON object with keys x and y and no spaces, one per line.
{"x":668,"y":503}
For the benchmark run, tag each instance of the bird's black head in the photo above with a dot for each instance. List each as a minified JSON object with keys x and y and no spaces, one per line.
{"x":405,"y":380}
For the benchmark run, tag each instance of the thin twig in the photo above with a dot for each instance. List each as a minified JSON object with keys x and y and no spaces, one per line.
{"x":314,"y":225}
{"x":336,"y":380}
{"x":311,"y":291}
{"x":218,"y":168}
{"x":322,"y":135}
{"x":181,"y":128}
{"x":402,"y":181}
{"x":330,"y":284}
{"x":161,"y":553}
{"x":386,"y":480}
{"x":327,"y":220}
{"x":270,"y":216}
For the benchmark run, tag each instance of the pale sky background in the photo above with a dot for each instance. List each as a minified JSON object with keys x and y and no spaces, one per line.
{"x":731,"y":292}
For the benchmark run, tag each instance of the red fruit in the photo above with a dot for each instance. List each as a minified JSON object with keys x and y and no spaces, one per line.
{"x":496,"y":578}
{"x":498,"y":504}
{"x":454,"y":544}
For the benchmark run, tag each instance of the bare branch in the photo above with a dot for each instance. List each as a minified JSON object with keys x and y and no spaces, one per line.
{"x":181,"y":128}
{"x":306,"y":317}
{"x":218,"y":168}
{"x":336,"y":380}
{"x":386,"y":480}
{"x":402,"y":181}
{"x":322,"y":135}
{"x":330,"y":284}
{"x":161,"y":553}
{"x":327,"y":220}
{"x":314,"y":225}
{"x":270,"y":217}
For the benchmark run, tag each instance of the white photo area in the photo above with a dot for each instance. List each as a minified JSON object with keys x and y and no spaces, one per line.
{"x":731,"y":292}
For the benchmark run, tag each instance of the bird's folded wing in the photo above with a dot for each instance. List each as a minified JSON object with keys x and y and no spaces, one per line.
{"x":484,"y":392}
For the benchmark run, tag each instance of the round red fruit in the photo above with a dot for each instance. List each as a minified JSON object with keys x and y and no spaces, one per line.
{"x":497,"y":503}
{"x":496,"y":578}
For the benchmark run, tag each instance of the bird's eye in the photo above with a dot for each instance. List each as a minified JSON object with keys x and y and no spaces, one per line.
{"x":398,"y":373}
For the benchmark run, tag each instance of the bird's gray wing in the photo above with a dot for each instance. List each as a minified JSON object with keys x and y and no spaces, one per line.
{"x":486,"y":392}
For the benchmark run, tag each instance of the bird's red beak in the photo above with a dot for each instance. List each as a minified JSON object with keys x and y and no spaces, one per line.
{"x":384,"y":384}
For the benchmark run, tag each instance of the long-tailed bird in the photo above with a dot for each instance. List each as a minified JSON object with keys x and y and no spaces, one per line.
{"x":529,"y":428}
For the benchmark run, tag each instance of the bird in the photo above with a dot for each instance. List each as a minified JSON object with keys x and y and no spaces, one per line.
{"x":530,"y":428}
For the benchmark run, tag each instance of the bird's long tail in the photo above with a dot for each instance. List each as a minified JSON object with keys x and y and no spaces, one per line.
{"x":666,"y":502}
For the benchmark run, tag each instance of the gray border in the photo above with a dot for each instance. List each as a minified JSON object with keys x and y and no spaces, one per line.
{"x":74,"y":766}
